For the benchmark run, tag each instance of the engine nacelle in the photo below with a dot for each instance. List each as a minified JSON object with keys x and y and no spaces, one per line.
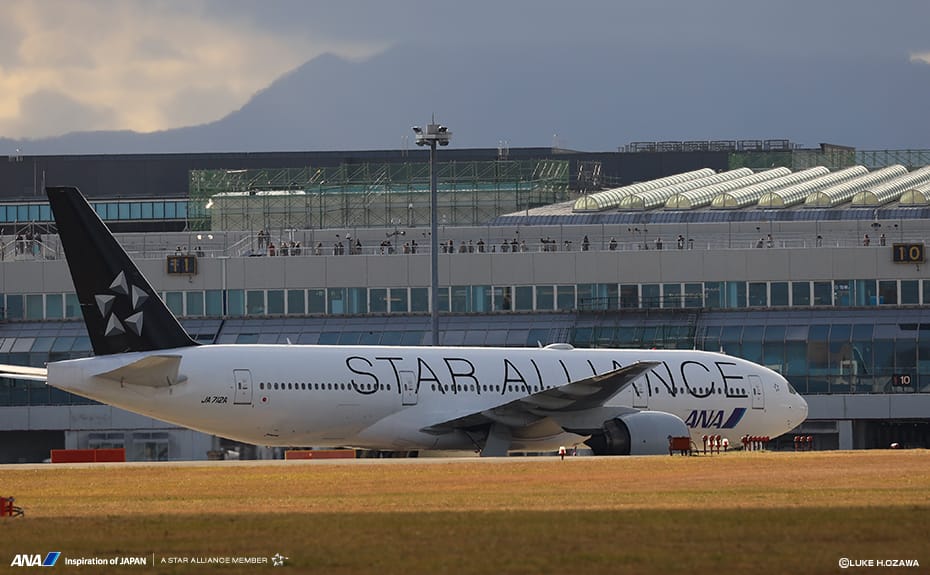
{"x":641,"y":433}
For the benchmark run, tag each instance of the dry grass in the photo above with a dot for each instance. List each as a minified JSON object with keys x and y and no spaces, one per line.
{"x":769,"y":513}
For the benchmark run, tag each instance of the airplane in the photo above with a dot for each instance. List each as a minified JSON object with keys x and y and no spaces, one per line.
{"x":492,"y":400}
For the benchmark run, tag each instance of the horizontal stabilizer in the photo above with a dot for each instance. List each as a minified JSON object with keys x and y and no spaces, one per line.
{"x":151,"y":371}
{"x":23,"y":372}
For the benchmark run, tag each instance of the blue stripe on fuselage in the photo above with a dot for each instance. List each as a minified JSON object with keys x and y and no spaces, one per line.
{"x":735,"y":417}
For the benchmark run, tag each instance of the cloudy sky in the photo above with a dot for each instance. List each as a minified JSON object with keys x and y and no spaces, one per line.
{"x":146,"y":65}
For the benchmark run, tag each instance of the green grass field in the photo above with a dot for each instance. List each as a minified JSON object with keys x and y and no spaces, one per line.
{"x":736,"y":513}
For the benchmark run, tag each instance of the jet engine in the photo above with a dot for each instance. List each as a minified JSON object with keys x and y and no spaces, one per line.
{"x":640,"y":433}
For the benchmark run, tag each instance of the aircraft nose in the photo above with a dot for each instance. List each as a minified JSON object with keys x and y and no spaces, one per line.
{"x":801,"y":407}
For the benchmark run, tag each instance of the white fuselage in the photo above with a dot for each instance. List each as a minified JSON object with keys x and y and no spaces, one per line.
{"x":383,"y":397}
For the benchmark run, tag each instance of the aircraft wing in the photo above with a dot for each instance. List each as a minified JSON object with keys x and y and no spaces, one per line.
{"x":23,"y":372}
{"x":584,"y":394}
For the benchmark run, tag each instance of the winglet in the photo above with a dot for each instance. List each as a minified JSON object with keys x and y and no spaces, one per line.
{"x":122,"y":312}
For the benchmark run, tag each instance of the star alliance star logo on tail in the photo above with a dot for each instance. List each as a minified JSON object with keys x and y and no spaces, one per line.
{"x":105,"y":301}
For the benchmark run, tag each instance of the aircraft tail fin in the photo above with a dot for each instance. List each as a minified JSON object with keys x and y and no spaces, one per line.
{"x":122,"y":312}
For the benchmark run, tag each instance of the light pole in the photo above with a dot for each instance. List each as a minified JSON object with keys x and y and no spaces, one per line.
{"x":434,"y":134}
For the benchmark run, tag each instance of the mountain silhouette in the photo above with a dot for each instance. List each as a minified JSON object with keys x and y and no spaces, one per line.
{"x":593,"y":97}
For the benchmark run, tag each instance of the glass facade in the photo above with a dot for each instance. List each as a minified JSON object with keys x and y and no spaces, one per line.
{"x":477,"y":299}
{"x":128,"y":210}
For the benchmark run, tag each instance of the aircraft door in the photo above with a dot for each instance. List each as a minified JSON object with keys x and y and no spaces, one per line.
{"x":243,"y":378}
{"x":408,"y":388}
{"x":758,"y":394}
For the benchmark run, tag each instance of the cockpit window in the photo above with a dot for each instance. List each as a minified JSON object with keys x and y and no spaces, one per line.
{"x":791,"y":389}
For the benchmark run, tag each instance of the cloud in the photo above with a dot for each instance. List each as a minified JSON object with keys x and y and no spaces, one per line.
{"x":921,"y":57}
{"x":139,"y":65}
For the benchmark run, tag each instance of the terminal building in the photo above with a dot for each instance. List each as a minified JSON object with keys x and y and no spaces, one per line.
{"x":811,"y":262}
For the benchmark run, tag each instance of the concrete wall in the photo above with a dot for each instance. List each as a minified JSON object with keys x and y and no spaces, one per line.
{"x":670,"y":265}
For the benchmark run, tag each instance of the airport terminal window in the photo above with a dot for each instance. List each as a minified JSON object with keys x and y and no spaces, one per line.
{"x":275,"y":301}
{"x":481,"y":298}
{"x":800,"y":293}
{"x":582,"y":336}
{"x":62,"y":344}
{"x":356,"y":300}
{"x":774,"y":355}
{"x":650,"y":295}
{"x":14,"y":306}
{"x":419,"y":300}
{"x":671,"y":295}
{"x":842,"y":293}
{"x":823,"y":293}
{"x":905,"y":355}
{"x":81,"y":344}
{"x":589,"y":298}
{"x":694,"y":295}
{"x":537,"y":337}
{"x":565,"y":297}
{"x":713,"y":292}
{"x":503,"y":298}
{"x":778,"y":293}
{"x":213,"y":299}
{"x":337,"y":304}
{"x":255,"y":302}
{"x":923,"y":353}
{"x":397,"y":300}
{"x":865,"y":292}
{"x":391,"y":338}
{"x":236,"y":302}
{"x":54,"y":309}
{"x":545,"y":298}
{"x":296,"y":304}
{"x":888,"y":292}
{"x":123,"y":211}
{"x":757,"y":294}
{"x":735,"y":294}
{"x":414,"y":338}
{"x":524,"y":298}
{"x":72,"y":307}
{"x":34,"y":306}
{"x":316,"y":301}
{"x":883,"y":353}
{"x":729,"y":339}
{"x":444,"y":302}
{"x":194,"y":301}
{"x":42,"y":344}
{"x":460,"y":296}
{"x":629,"y":296}
{"x":378,"y":300}
{"x":910,"y":292}
{"x":175,"y":302}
